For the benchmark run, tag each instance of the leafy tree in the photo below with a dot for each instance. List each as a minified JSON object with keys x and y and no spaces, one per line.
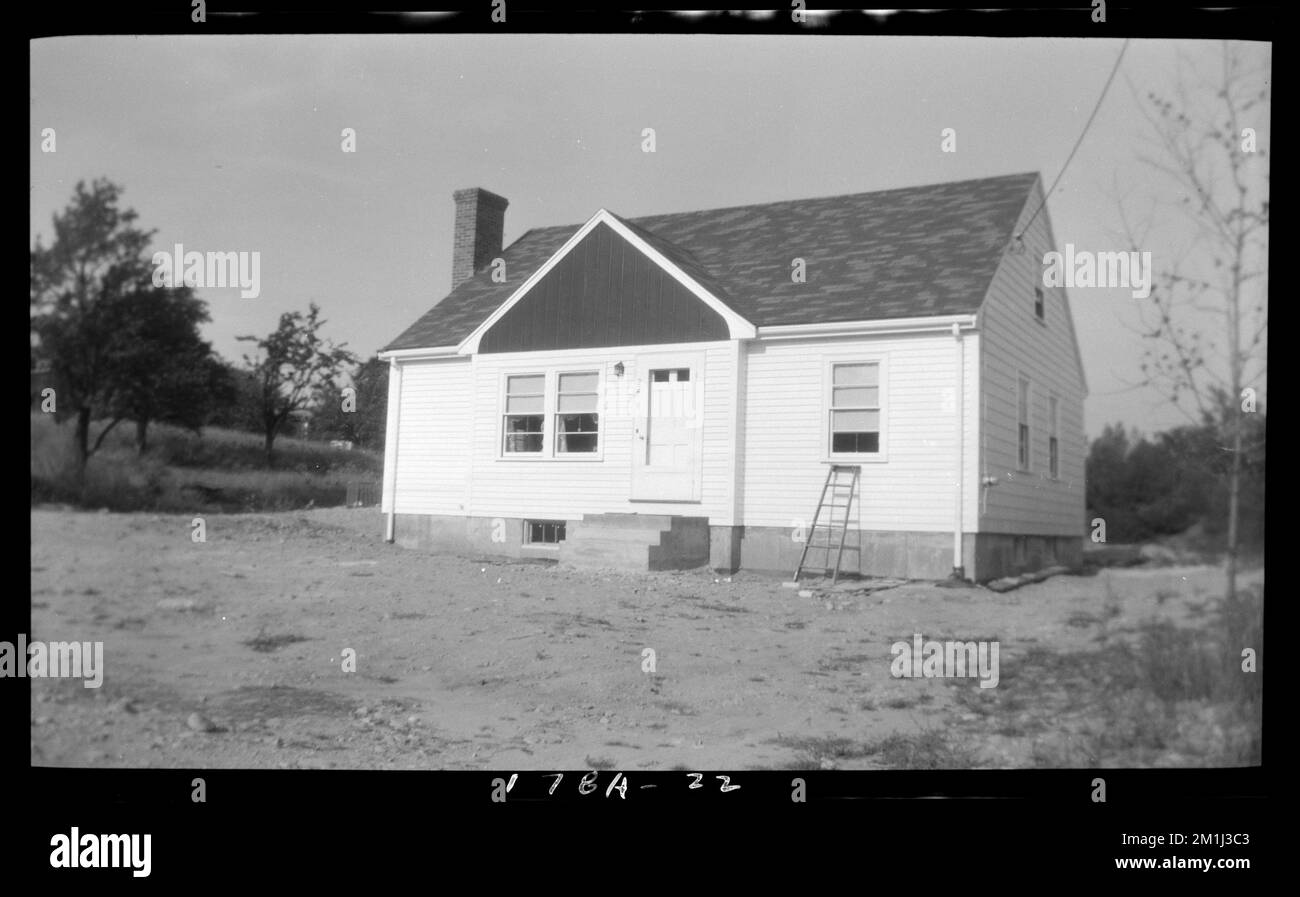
{"x":238,"y":405}
{"x":1145,"y":488}
{"x":359,"y":416}
{"x":165,"y":371}
{"x":290,"y":366}
{"x":98,"y":320}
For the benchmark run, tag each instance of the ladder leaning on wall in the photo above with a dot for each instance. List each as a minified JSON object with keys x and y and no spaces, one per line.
{"x":840,"y":487}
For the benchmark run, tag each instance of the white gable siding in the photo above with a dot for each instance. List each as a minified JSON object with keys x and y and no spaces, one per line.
{"x":1015,"y":341}
{"x":568,"y":489}
{"x":785,"y":431}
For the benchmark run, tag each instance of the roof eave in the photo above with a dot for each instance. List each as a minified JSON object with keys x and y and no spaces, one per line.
{"x":875,"y":327}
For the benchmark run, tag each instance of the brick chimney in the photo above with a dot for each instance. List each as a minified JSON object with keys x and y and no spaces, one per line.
{"x":480,"y":226}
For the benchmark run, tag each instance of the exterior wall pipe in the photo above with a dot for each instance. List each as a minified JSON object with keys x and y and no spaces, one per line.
{"x":958,"y":570}
{"x":390,"y":446}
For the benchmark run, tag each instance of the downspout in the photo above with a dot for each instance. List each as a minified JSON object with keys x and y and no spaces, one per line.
{"x":390,"y":445}
{"x":958,"y":570}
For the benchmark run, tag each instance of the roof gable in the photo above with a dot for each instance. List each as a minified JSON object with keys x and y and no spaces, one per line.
{"x":601,"y":291}
{"x":909,"y":252}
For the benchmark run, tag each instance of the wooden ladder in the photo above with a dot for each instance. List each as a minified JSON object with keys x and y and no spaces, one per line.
{"x":841,"y":496}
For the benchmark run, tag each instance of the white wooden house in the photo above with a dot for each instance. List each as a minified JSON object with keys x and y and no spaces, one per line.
{"x":669,"y":391}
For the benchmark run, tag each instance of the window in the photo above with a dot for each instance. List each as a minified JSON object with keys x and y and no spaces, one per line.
{"x":855,"y":409}
{"x":1038,"y":302}
{"x":576,"y":421}
{"x":524,"y":417}
{"x":1023,"y":419}
{"x":1053,"y":454}
{"x":671,"y":375}
{"x":543,"y":532}
{"x":553,"y":414}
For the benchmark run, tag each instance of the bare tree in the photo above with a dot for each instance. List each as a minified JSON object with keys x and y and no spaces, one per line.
{"x":1206,"y":320}
{"x":291,"y":365}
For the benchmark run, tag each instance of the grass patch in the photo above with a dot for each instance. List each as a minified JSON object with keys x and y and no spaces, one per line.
{"x":277,"y":701}
{"x":811,"y":752}
{"x":220,"y":471}
{"x":930,"y":748}
{"x":268,"y":643}
{"x":1159,"y":695}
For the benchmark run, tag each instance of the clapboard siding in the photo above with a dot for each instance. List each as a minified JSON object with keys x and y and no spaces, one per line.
{"x":1013,"y":341}
{"x":785,"y":432}
{"x":568,"y":489}
{"x":432,"y":462}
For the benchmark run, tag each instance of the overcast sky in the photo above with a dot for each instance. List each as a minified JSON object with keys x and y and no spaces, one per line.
{"x":233,"y":143}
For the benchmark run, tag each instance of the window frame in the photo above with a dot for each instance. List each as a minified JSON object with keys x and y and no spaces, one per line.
{"x":1027,"y":465}
{"x":828,"y":409}
{"x":506,"y":414}
{"x":599,"y":451}
{"x":549,"y":413}
{"x":556,"y":525}
{"x":1054,"y":436}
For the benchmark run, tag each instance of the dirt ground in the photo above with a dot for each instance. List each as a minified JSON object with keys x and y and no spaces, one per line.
{"x":473,"y":664}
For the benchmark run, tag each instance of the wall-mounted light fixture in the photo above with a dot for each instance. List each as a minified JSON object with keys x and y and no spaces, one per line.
{"x":618,"y":369}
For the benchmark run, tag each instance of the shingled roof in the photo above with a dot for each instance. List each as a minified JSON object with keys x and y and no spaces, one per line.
{"x":908,"y":252}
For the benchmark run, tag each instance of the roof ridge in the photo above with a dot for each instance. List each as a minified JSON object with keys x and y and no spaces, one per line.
{"x":637,"y":222}
{"x":910,"y":251}
{"x":832,"y":196}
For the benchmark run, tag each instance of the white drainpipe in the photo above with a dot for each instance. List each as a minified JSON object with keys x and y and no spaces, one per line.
{"x":390,"y":445}
{"x":957,"y":568}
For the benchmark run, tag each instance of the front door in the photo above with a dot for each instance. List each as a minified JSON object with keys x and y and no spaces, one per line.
{"x":667,"y":436}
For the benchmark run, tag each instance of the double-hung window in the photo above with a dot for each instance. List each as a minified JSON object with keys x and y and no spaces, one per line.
{"x":1053,"y":446}
{"x":1022,"y":420}
{"x":577,"y":424}
{"x":525,"y":414}
{"x":551,"y":415}
{"x":855,"y":409}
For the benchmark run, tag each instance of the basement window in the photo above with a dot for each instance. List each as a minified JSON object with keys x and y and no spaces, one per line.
{"x":543,"y":532}
{"x":524,"y":417}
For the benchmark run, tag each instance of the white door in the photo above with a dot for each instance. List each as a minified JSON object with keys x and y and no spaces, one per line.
{"x":666,"y":451}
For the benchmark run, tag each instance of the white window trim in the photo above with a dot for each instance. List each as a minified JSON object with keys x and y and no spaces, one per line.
{"x":828,"y":382}
{"x":1053,"y":432}
{"x":550,"y":406}
{"x":1028,"y":466}
{"x":553,"y":398}
{"x":501,"y":414}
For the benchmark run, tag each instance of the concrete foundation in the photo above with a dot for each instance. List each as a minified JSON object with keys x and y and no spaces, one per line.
{"x":901,"y":555}
{"x":654,"y":542}
{"x":724,"y":548}
{"x":1006,"y":554}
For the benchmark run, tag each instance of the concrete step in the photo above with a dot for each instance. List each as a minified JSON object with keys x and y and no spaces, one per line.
{"x":630,"y":521}
{"x":581,"y":532}
{"x":637,"y":542}
{"x":605,"y":553}
{"x":667,"y":558}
